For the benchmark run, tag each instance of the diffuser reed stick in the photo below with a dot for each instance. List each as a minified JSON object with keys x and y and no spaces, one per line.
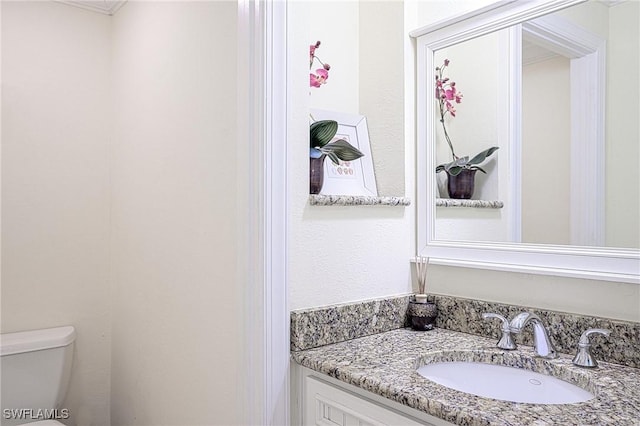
{"x":422,"y":264}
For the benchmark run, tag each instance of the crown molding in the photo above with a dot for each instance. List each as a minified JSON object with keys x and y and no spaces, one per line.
{"x":106,"y":7}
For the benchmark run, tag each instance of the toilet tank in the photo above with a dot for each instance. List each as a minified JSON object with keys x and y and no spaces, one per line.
{"x":35,"y":369}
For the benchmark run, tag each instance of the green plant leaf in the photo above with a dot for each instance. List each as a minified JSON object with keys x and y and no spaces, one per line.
{"x":455,"y":167}
{"x":454,"y":171}
{"x":321,"y":132}
{"x":334,"y":158}
{"x":479,"y":158}
{"x":460,"y":163}
{"x":342,"y":150}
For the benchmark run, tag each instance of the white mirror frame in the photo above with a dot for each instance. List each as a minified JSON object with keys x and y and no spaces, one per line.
{"x":599,"y":263}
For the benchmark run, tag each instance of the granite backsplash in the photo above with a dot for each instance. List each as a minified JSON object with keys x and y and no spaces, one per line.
{"x":321,"y":326}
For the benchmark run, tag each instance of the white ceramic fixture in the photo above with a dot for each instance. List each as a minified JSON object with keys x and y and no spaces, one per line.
{"x":36,"y":366}
{"x":504,"y":383}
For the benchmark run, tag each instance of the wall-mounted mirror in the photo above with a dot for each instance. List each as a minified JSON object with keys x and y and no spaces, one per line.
{"x":553,"y":84}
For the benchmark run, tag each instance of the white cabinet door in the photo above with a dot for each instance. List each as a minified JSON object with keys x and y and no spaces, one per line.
{"x":328,"y":405}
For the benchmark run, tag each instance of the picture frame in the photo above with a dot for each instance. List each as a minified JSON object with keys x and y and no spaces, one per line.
{"x":355,"y":177}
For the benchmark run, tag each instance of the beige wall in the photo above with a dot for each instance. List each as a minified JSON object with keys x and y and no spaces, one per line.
{"x":619,"y":23}
{"x":119,"y":203}
{"x":546,"y":137}
{"x":623,"y":126}
{"x":588,"y":297}
{"x":176,"y":336}
{"x":55,"y":186}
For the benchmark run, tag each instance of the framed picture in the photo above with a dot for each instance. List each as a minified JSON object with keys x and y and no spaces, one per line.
{"x":349,"y":177}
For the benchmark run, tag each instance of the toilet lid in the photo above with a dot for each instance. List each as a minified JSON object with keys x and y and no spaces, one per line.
{"x":44,"y":423}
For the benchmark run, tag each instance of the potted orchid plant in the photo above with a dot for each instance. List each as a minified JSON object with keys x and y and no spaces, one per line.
{"x":461,"y":170}
{"x":322,"y":133}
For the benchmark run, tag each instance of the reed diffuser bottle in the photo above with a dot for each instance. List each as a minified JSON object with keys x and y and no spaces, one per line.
{"x":422,"y":313}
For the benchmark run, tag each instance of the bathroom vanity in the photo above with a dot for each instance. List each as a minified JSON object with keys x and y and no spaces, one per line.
{"x":358,"y":363}
{"x":374,"y":380}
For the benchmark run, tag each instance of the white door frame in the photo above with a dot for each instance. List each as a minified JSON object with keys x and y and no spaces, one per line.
{"x":262,"y":210}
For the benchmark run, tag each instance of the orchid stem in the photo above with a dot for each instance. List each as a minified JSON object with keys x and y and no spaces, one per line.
{"x":446,"y":136}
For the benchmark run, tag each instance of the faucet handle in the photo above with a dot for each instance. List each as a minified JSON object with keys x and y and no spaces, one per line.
{"x":584,"y":338}
{"x":584,"y":357}
{"x":505,"y":342}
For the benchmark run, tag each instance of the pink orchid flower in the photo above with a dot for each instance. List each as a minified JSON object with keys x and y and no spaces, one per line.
{"x":446,"y":94}
{"x":322,"y":74}
{"x":450,"y":108}
{"x":452,"y":94}
{"x":319,"y":78}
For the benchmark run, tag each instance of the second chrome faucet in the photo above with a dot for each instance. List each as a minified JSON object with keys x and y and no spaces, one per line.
{"x":541,"y":342}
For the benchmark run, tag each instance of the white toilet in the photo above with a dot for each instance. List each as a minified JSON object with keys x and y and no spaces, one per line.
{"x":35,"y":366}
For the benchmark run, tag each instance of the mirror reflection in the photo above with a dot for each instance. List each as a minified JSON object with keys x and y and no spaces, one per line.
{"x":559,"y":95}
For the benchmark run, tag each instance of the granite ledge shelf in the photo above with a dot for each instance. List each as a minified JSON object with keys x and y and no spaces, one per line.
{"x":478,"y":204}
{"x":357,"y":200}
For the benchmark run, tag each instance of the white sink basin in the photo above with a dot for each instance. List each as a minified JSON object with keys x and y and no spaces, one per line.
{"x":504,"y":383}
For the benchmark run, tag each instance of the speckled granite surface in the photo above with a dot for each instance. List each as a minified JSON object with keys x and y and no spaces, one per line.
{"x":325,"y":325}
{"x":465,"y":315}
{"x":478,"y":204}
{"x":386,"y":364}
{"x":315,"y":327}
{"x":357,"y":200}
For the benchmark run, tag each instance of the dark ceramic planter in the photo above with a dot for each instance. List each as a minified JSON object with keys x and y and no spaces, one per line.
{"x":422,"y":315}
{"x":461,"y":186}
{"x":316,"y":174}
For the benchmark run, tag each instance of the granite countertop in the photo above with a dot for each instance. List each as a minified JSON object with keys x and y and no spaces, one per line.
{"x":386,"y":364}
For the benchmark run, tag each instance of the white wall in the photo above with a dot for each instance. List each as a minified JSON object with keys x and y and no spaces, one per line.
{"x":332,"y":23}
{"x":366,"y":77}
{"x":427,"y":12}
{"x":476,"y":67}
{"x":381,"y":84}
{"x":176,"y":332}
{"x":479,"y":68}
{"x":336,"y":254}
{"x":55,"y":186}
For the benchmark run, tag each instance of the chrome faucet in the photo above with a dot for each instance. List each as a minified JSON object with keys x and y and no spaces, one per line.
{"x":505,"y":342}
{"x":541,"y":342}
{"x":584,"y":357}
